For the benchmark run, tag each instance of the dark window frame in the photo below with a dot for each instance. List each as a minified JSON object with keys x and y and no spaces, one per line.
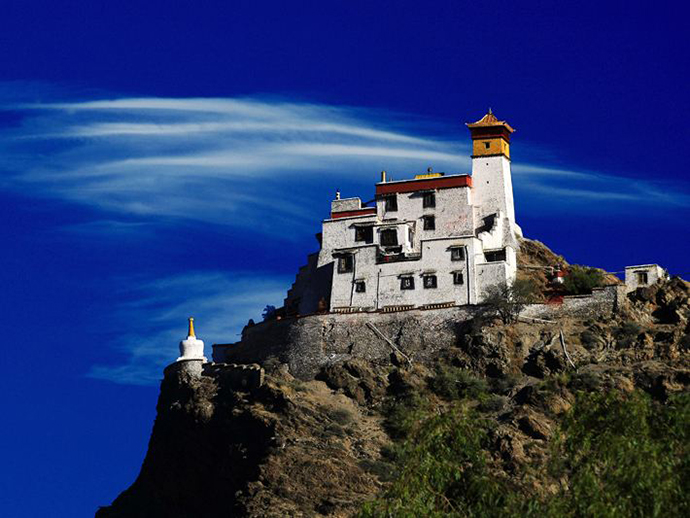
{"x":495,"y":256}
{"x":430,"y":281}
{"x":407,"y":283}
{"x":429,"y":223}
{"x":362,"y":285}
{"x":458,"y":278}
{"x":429,"y":200}
{"x":388,"y":232}
{"x":364,"y":234}
{"x":457,"y":253}
{"x":390,"y":203}
{"x":346,"y":263}
{"x":642,"y":277}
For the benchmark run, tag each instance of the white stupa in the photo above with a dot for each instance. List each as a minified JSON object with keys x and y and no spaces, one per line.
{"x":191,"y":348}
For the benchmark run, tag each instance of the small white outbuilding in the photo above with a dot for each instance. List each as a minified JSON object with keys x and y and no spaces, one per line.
{"x":643,"y":275}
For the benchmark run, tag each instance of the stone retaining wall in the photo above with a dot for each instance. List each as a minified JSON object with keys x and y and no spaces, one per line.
{"x":602,"y":301}
{"x":308,"y":343}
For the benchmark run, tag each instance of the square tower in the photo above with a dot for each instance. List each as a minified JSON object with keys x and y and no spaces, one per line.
{"x":491,"y":175}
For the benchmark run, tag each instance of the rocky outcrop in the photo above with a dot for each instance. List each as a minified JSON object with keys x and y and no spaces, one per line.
{"x":285,"y":449}
{"x":225,"y":444}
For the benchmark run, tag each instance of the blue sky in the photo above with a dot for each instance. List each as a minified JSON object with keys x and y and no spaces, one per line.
{"x":162,"y":161}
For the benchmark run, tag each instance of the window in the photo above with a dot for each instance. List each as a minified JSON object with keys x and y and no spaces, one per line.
{"x":389,"y":237}
{"x":391,"y":203}
{"x":487,"y":145}
{"x":642,"y":278}
{"x":495,"y":256}
{"x":407,"y":283}
{"x":360,"y":286}
{"x":429,"y":200}
{"x":429,"y":281}
{"x":458,"y":278}
{"x":345,"y":263}
{"x":457,"y":254}
{"x":365,"y":234}
{"x":429,"y":223}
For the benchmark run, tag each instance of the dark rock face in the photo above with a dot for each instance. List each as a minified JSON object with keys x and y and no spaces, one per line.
{"x":285,"y":449}
{"x":543,"y":363}
{"x":356,"y":379}
{"x":204,"y":446}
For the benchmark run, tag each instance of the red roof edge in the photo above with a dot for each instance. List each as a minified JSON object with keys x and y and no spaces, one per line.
{"x":442,"y":182}
{"x":364,"y":211}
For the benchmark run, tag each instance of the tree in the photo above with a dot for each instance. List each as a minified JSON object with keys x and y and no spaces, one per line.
{"x":581,"y":279}
{"x":507,"y":300}
{"x":269,"y":312}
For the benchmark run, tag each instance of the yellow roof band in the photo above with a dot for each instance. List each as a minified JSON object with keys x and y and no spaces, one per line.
{"x":427,"y":175}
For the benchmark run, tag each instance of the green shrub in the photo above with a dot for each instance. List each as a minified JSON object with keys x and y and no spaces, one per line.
{"x":624,"y":456}
{"x":492,"y":403}
{"x":444,"y":471}
{"x":556,"y":382}
{"x":585,"y":381}
{"x":402,"y":414}
{"x":503,"y":384}
{"x":589,"y":339}
{"x":384,"y":471}
{"x":627,"y":333}
{"x":454,"y":383}
{"x":506,"y":301}
{"x":342,"y":416}
{"x":615,"y":455}
{"x":582,"y":279}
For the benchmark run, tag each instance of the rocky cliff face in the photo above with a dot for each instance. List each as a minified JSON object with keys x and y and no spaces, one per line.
{"x":318,"y":447}
{"x":284,"y":449}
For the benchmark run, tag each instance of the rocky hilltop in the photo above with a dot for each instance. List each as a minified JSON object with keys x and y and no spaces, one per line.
{"x":484,"y":421}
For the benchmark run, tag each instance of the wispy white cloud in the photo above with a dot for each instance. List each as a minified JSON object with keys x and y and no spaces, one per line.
{"x":208,"y":159}
{"x":211,"y":159}
{"x":548,"y":185}
{"x":156,"y":318}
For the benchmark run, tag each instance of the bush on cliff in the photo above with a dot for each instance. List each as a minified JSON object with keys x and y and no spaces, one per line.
{"x":455,"y":383}
{"x":624,"y":456}
{"x":582,"y":279}
{"x":443,"y":470}
{"x":506,"y":301}
{"x":615,"y":455}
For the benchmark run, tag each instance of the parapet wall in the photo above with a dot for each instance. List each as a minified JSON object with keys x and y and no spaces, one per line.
{"x":235,"y":376}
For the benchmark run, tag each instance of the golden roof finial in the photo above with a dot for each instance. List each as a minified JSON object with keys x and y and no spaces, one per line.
{"x":191,"y":327}
{"x":490,"y":120}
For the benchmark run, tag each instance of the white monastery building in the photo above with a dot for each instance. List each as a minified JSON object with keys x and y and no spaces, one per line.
{"x":432,"y":241}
